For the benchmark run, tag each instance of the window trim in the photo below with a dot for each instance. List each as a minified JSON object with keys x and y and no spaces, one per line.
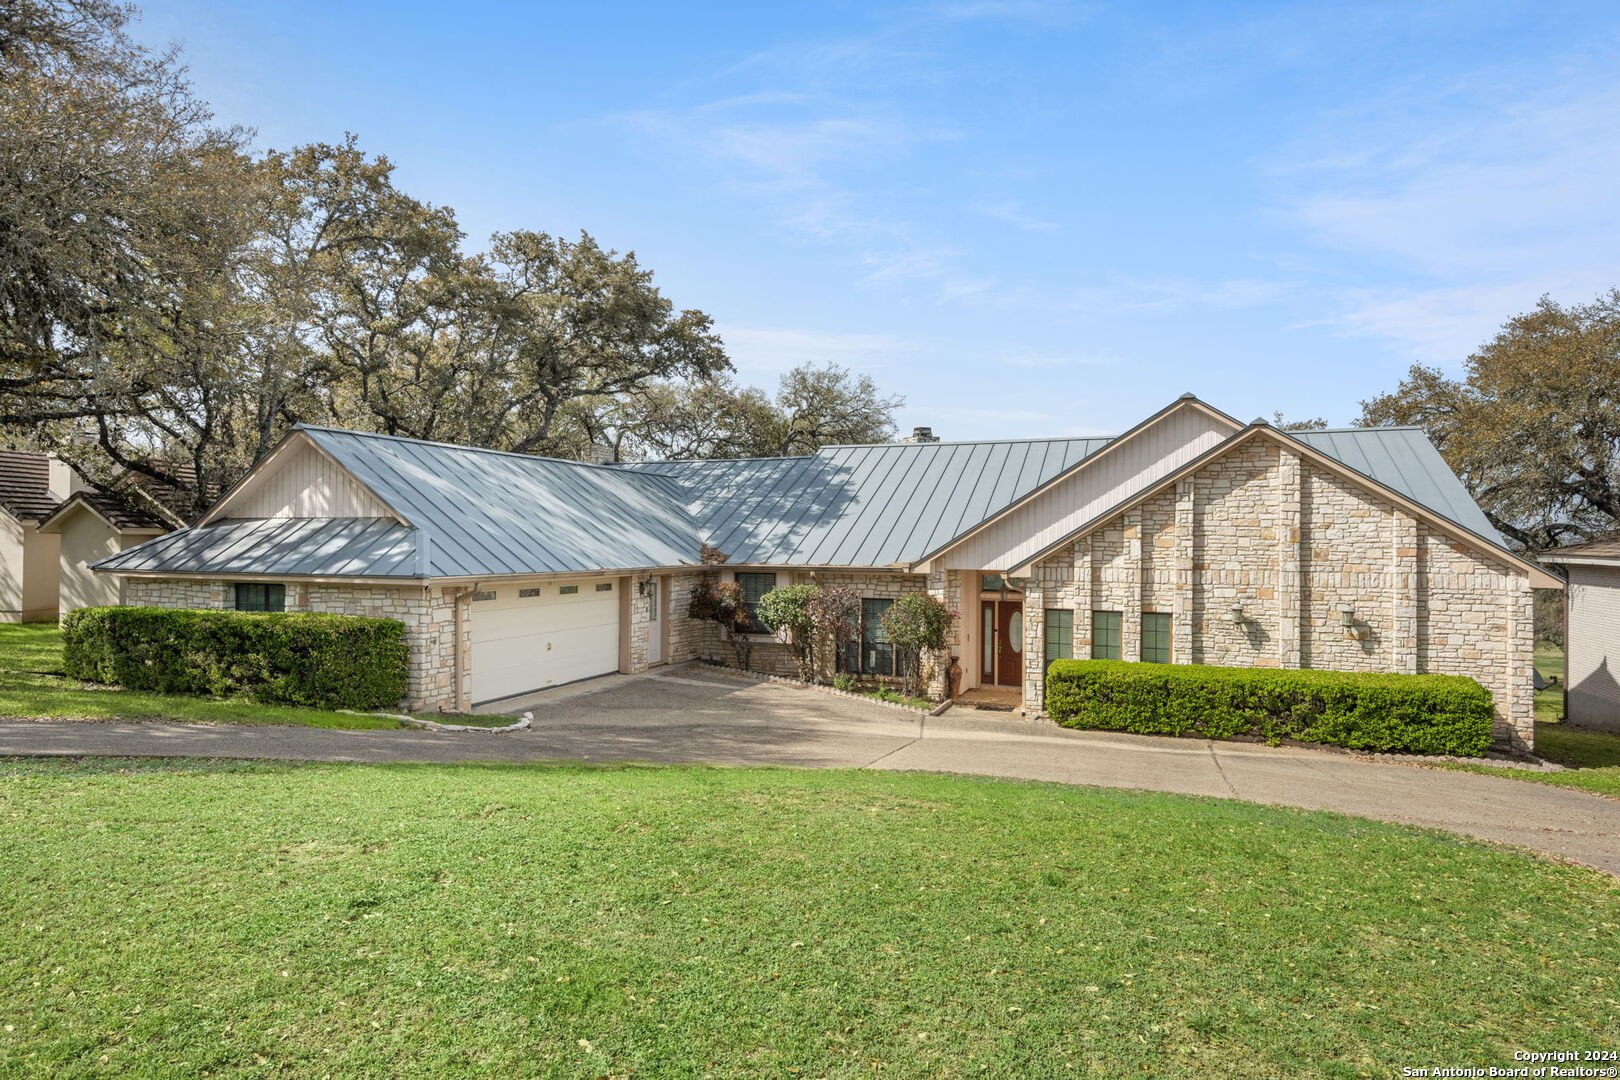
{"x":1065,"y":640}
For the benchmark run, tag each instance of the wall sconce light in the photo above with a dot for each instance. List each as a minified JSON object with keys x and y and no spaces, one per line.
{"x":1347,"y":615}
{"x":644,"y":586}
{"x":1237,"y":614}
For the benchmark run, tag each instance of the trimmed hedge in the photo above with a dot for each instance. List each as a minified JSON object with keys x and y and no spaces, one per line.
{"x":293,"y":658}
{"x":1421,"y":714}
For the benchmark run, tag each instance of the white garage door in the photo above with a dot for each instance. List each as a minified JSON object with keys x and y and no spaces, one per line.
{"x":557,"y":634}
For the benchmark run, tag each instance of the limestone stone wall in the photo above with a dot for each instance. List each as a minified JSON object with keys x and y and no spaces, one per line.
{"x":1292,"y":545}
{"x":429,"y":618}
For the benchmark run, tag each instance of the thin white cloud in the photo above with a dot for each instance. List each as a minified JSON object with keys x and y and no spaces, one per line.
{"x":1014,"y":215}
{"x":1155,"y":295}
{"x":1054,"y":360}
{"x":763,"y":353}
{"x":1040,"y":12}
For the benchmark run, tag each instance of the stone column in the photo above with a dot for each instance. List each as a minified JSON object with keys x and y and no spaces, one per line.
{"x":1083,"y":602}
{"x":1519,"y":701}
{"x":1130,"y":633}
{"x":946,"y":587}
{"x":1181,"y":620}
{"x":1403,"y":578}
{"x":1034,"y":647}
{"x":1290,"y":499}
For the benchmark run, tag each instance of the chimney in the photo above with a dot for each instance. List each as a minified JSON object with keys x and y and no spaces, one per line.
{"x":63,"y":480}
{"x":922,"y":434}
{"x":597,"y":454}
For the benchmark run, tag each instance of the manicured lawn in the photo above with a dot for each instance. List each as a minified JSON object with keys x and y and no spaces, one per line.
{"x":1593,"y":757}
{"x":570,"y":921}
{"x":32,"y":686}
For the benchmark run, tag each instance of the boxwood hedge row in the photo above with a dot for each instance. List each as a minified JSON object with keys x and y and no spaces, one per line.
{"x":293,"y":658}
{"x":1425,"y":714}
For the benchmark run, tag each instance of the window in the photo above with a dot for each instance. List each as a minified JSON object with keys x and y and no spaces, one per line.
{"x":755,"y":586}
{"x":604,"y":586}
{"x":1155,"y":637}
{"x":524,"y":594}
{"x":261,"y":597}
{"x":483,"y":596}
{"x":870,"y":653}
{"x":568,"y":590}
{"x":991,"y":583}
{"x":1059,"y":635}
{"x":1105,"y":635}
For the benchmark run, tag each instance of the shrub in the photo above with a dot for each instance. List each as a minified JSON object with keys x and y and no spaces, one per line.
{"x":293,"y":658}
{"x":725,"y":604}
{"x":836,"y":615}
{"x":916,"y":623}
{"x":786,"y":610}
{"x":844,"y":681}
{"x":1424,"y":714}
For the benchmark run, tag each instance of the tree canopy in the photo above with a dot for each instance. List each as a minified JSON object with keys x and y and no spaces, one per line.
{"x":1533,"y":425}
{"x":171,"y":301}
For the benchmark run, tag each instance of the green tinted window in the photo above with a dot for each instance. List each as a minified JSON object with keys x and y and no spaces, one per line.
{"x":755,"y":586}
{"x":1105,"y":635}
{"x":254,"y":597}
{"x":1155,"y":637}
{"x":1059,"y":635}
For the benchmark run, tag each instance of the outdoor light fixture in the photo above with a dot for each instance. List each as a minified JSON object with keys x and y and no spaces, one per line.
{"x":1237,"y":613}
{"x":1347,"y":615}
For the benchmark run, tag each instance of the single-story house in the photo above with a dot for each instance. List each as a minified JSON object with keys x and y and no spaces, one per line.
{"x":1591,"y":633}
{"x":53,"y":525}
{"x":1191,"y":538}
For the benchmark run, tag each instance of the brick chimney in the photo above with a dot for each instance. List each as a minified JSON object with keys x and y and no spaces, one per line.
{"x":597,"y":454}
{"x":922,"y":434}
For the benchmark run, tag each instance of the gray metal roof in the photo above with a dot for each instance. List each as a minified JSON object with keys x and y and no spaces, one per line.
{"x":340,"y":547}
{"x":862,"y":505}
{"x":1403,"y":459}
{"x":484,"y":513}
{"x":480,"y":512}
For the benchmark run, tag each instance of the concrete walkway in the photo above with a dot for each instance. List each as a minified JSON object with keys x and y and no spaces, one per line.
{"x":698,"y":715}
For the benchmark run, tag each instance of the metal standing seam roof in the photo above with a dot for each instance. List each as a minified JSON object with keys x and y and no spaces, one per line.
{"x":477,"y":512}
{"x":877,"y":505}
{"x":487,"y":513}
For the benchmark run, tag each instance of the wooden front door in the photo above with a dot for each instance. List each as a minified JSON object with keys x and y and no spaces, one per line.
{"x":1002,"y":624}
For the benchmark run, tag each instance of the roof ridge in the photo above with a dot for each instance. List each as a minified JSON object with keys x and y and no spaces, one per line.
{"x":960,"y":442}
{"x":451,"y":445}
{"x":1353,"y":430}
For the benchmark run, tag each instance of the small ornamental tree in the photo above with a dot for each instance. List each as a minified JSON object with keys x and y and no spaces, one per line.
{"x":915,"y":624}
{"x":724,"y":603}
{"x":836,"y":616}
{"x":785,"y":609}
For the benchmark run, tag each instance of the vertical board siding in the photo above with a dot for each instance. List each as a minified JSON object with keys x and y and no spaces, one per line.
{"x":1092,"y":490}
{"x":305,"y":483}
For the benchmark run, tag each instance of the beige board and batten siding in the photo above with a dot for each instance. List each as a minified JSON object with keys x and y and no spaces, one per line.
{"x":1094,"y":487}
{"x":303,"y":483}
{"x":1592,"y":647}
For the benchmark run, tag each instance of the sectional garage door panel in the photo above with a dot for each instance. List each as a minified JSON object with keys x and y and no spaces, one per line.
{"x":523,"y":643}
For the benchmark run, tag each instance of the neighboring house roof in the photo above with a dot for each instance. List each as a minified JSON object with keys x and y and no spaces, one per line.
{"x":123,"y":514}
{"x":1593,"y":551}
{"x":876,"y":505}
{"x":25,"y":485}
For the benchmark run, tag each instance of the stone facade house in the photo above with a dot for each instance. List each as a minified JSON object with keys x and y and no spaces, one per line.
{"x":1190,"y":538}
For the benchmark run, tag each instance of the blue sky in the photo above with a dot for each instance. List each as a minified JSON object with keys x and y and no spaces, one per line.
{"x":1030,"y":217}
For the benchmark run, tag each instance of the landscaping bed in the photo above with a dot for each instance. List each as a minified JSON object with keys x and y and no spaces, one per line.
{"x":690,"y":922}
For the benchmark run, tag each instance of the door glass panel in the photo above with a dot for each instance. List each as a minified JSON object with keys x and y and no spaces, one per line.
{"x":988,"y":652}
{"x":1015,"y":631}
{"x":652,"y":600}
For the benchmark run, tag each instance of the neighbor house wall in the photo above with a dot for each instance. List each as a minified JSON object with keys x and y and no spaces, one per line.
{"x":41,"y":574}
{"x":1592,"y":647}
{"x":11,"y":568}
{"x":1290,"y":543}
{"x":85,"y":539}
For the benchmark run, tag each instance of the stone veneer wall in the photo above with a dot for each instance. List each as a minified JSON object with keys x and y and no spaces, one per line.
{"x":1290,"y":543}
{"x":428,"y":615}
{"x":772,"y":657}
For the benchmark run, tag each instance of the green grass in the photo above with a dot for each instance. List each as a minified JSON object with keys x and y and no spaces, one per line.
{"x":32,"y":686}
{"x":1591,"y":758}
{"x":569,"y":921}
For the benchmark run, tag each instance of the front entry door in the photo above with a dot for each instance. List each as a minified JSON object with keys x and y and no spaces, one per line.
{"x":1002,"y":623}
{"x":655,"y":622}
